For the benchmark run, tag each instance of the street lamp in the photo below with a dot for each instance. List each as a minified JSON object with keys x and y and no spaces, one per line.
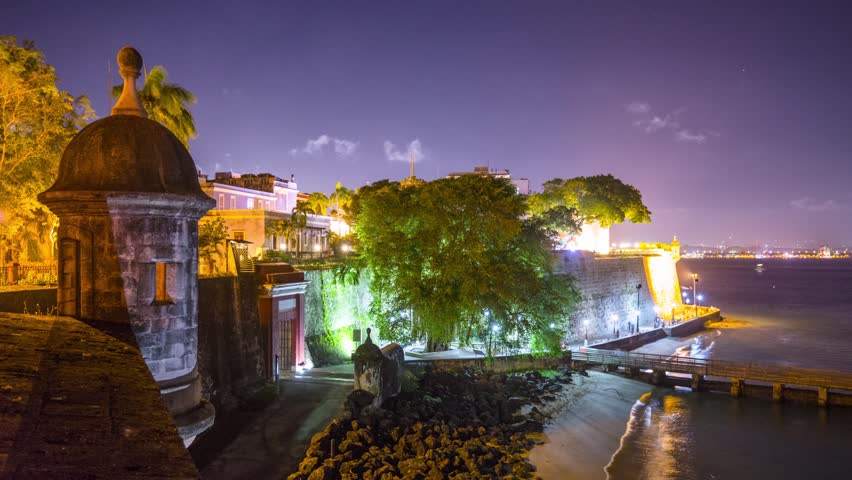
{"x":695,"y":292}
{"x":586,"y":324}
{"x":638,"y":310}
{"x":494,"y":329}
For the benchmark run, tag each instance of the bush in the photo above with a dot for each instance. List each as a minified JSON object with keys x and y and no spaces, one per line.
{"x":331,"y":348}
{"x":275,"y":256}
{"x":35,"y":278}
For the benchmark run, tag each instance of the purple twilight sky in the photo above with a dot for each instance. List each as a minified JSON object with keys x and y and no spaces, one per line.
{"x":734,"y":119}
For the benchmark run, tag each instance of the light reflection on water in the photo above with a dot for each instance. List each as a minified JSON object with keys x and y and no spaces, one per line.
{"x":656,"y":443}
{"x":798,"y":315}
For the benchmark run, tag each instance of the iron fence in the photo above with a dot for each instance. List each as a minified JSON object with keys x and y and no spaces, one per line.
{"x":29,"y":274}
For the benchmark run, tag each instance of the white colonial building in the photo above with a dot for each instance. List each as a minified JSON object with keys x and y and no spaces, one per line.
{"x":251,"y":204}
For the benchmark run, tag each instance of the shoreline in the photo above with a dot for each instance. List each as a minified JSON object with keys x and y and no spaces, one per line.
{"x":581,"y":439}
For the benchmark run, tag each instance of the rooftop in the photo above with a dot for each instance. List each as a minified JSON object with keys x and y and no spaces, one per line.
{"x":79,"y":401}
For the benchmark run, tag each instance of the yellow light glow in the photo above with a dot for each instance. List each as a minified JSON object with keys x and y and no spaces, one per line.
{"x":662,"y":280}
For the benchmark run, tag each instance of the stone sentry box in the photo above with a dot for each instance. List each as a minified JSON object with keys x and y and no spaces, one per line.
{"x":128,"y":201}
{"x":378,"y":370}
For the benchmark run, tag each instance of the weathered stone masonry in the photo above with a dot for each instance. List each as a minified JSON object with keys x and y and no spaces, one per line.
{"x":128,"y":201}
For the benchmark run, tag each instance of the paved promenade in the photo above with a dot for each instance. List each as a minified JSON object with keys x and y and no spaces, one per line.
{"x":273,"y":443}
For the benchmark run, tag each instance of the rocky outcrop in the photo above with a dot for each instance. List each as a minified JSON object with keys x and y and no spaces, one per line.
{"x":465,"y":425}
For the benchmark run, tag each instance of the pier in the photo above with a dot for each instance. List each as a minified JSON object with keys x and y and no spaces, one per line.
{"x":823,"y":387}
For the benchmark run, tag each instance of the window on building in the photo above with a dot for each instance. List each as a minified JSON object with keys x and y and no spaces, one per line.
{"x":221,"y":201}
{"x":266,"y":205}
{"x":233,"y":202}
{"x":161,"y":290}
{"x":249,"y":203}
{"x":239,"y":235}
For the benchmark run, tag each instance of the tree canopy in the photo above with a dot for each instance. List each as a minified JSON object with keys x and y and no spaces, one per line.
{"x":38,"y":120}
{"x":316,"y":203}
{"x":166,"y":103}
{"x":212,"y":234}
{"x":601,"y":198}
{"x":451,"y":258}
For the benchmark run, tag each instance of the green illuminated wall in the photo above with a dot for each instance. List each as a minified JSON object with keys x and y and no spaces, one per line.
{"x":332,"y":311}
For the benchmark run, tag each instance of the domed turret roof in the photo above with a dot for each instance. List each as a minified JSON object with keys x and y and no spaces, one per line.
{"x":127,"y":152}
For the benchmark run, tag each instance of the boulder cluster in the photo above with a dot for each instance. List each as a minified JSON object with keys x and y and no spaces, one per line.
{"x":465,"y":425}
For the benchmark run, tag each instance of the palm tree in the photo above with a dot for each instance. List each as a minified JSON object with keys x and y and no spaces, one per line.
{"x":340,"y":201}
{"x":317,"y":203}
{"x":166,"y":103}
{"x":282,"y":228}
{"x":299,"y":220}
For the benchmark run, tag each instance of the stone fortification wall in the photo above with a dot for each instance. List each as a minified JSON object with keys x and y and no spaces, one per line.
{"x":230,"y":359}
{"x":607,"y":285}
{"x":36,"y":300}
{"x":633,"y":341}
{"x":693,"y":326}
{"x":513,"y":363}
{"x":333,"y":311}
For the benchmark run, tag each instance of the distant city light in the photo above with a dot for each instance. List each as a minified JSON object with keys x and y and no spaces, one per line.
{"x":700,"y":297}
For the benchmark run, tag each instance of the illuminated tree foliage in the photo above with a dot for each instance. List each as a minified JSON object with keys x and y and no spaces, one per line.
{"x":601,"y":198}
{"x":166,"y":103}
{"x":212,"y":234}
{"x":38,"y":120}
{"x":316,"y":203}
{"x":451,"y":258}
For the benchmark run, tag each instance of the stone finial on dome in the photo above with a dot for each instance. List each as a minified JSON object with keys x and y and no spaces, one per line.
{"x":130,"y":64}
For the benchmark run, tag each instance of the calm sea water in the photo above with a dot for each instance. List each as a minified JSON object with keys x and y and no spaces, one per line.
{"x":799,"y":313}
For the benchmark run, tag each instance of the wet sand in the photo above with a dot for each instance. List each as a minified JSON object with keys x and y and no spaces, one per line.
{"x":581,"y":440}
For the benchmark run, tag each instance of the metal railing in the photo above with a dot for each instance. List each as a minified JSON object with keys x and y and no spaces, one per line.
{"x":29,"y":274}
{"x":720,"y":368}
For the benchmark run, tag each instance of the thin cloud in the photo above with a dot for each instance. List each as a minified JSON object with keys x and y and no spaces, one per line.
{"x":690,"y":136}
{"x":342,"y":147}
{"x":654,"y":123}
{"x":811,"y":205}
{"x":638,"y":107}
{"x":415,"y":149}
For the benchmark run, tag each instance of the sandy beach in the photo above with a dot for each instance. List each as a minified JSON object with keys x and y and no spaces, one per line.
{"x":581,"y":440}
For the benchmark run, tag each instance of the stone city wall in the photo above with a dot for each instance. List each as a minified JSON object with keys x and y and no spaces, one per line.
{"x":513,"y":363}
{"x":632,"y":342}
{"x":230,"y":358}
{"x":333,"y":312}
{"x":35,"y":300}
{"x":607,"y":285}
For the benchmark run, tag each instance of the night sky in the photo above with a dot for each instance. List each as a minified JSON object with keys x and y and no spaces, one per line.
{"x":734,"y":119}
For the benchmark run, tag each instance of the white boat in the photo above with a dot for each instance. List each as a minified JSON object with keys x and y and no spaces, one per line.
{"x":759,"y":268}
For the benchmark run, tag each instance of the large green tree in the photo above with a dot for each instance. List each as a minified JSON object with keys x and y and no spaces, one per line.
{"x":166,"y":103}
{"x":452,"y":258}
{"x":37,"y":120}
{"x":601,"y":198}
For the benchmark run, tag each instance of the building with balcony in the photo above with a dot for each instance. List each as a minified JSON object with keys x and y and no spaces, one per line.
{"x":251,"y":205}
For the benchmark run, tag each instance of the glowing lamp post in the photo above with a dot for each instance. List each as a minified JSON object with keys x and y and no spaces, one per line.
{"x":638,"y":310}
{"x":695,"y":292}
{"x":586,"y":324}
{"x":494,"y":329}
